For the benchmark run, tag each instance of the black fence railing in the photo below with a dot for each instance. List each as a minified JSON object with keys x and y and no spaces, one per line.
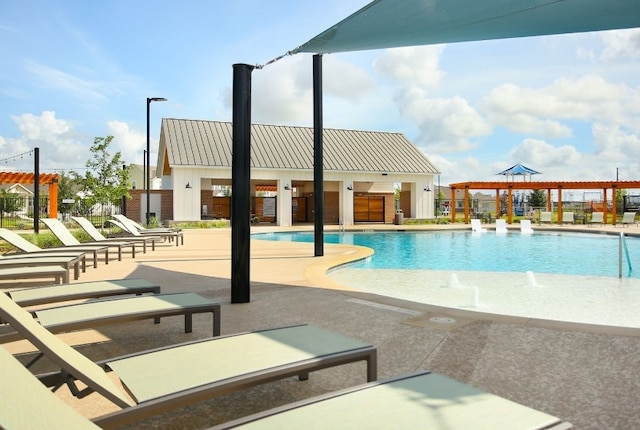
{"x":16,"y":212}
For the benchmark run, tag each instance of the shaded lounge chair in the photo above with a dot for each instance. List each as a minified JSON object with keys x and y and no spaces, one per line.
{"x":25,"y":246}
{"x":167,"y":378}
{"x":568,"y":218}
{"x":525,"y":226}
{"x":628,"y":218}
{"x":501,"y":226}
{"x":597,"y":218}
{"x":68,"y":239}
{"x":119,"y":310}
{"x":476,"y":226}
{"x":82,"y":290}
{"x":421,"y":400}
{"x":165,"y":232}
{"x":546,"y":217}
{"x":98,"y":237}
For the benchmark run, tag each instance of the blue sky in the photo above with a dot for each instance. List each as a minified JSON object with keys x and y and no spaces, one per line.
{"x":567,"y":106}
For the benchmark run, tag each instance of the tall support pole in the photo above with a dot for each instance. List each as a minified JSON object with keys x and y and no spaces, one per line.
{"x":147,"y":177}
{"x":36,"y":190}
{"x":318,"y":174}
{"x":241,"y":184}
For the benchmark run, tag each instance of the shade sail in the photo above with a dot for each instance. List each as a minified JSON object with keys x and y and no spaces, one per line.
{"x":395,"y":23}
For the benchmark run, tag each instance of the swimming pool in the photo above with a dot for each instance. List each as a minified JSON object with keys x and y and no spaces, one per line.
{"x":554,"y":276}
{"x":553,"y":252}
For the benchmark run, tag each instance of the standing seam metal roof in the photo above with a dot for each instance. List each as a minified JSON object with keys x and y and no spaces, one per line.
{"x":209,"y":143}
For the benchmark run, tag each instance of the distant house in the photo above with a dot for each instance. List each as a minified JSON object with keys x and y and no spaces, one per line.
{"x":361,"y":171}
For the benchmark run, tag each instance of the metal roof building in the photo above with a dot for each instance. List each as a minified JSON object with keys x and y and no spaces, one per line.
{"x":198,"y":153}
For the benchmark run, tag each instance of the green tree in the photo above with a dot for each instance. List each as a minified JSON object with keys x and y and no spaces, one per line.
{"x":537,"y":198}
{"x":10,"y":202}
{"x":105,"y":180}
{"x":66,"y":190}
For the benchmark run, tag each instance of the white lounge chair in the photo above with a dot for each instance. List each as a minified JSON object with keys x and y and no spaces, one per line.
{"x":568,"y":218}
{"x":597,"y":218}
{"x":476,"y":226}
{"x":501,"y":226}
{"x":159,"y":380}
{"x":422,"y":400}
{"x":95,"y":234}
{"x":546,"y":217}
{"x":525,"y":226}
{"x":628,"y":218}
{"x":67,"y":238}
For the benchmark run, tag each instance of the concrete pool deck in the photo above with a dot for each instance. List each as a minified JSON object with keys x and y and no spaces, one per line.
{"x":583,"y":374}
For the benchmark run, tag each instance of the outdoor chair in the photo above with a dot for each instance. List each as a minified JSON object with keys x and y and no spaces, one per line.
{"x":67,"y":238}
{"x":525,"y":226}
{"x":628,"y":218}
{"x":98,"y":237}
{"x":60,"y":274}
{"x":30,"y":249}
{"x":136,"y":233}
{"x":166,"y":232}
{"x":422,"y":400}
{"x":82,"y":290}
{"x":545,"y":217}
{"x":568,"y":217}
{"x":597,"y":218}
{"x":476,"y":226}
{"x":27,"y":404}
{"x":501,"y":226}
{"x":166,"y":378}
{"x":119,"y":310}
{"x":67,"y":262}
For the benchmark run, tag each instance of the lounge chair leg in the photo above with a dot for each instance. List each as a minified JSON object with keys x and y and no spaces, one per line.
{"x":156,"y":320}
{"x":303,"y":376}
{"x":188,"y":323}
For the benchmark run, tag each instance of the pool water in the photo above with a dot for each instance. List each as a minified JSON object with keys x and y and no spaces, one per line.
{"x":546,"y":276}
{"x":554,"y":252}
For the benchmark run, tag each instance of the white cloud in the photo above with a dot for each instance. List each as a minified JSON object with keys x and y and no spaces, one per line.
{"x":540,"y":111}
{"x":446,"y":125}
{"x":56,"y":139}
{"x":130,"y":143}
{"x":621,"y":43}
{"x":414,"y":66}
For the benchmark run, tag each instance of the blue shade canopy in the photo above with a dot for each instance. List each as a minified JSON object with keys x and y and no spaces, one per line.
{"x":518,"y":169}
{"x":394,"y":23}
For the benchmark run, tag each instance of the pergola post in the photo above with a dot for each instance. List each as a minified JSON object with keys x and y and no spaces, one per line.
{"x":510,"y":204}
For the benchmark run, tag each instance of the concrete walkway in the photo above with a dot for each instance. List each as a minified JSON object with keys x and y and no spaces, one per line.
{"x":587,"y":377}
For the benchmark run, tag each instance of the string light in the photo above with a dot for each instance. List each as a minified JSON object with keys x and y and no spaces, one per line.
{"x":15,"y":157}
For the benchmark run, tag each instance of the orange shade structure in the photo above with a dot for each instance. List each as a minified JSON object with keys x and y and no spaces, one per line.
{"x":50,"y":179}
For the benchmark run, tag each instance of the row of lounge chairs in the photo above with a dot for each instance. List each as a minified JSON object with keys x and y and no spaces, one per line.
{"x":174,"y":376}
{"x":152,"y":382}
{"x":34,"y":263}
{"x":597,"y":218}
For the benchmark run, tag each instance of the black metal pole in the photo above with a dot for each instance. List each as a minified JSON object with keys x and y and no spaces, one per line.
{"x":147,"y":165}
{"x":318,"y":174}
{"x":36,"y":190}
{"x":148,"y":161}
{"x":241,"y":184}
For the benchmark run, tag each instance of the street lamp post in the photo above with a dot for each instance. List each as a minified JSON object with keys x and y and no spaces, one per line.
{"x":148,"y":172}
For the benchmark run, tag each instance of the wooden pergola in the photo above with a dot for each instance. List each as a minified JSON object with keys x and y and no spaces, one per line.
{"x":50,"y":179}
{"x":498,"y":186}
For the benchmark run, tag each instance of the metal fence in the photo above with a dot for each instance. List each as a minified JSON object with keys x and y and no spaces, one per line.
{"x":16,"y":212}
